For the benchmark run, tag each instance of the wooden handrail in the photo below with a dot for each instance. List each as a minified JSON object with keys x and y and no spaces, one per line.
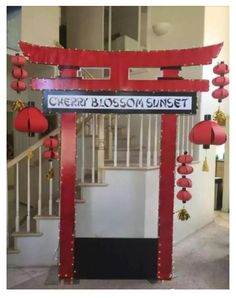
{"x":35,"y":146}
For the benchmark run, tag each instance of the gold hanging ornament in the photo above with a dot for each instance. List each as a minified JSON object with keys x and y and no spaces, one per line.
{"x":17,"y":105}
{"x":219,"y":117}
{"x":30,"y":154}
{"x":50,"y":173}
{"x":205,"y":167}
{"x":183,"y":214}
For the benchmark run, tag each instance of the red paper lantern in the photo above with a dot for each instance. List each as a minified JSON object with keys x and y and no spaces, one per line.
{"x":31,"y":120}
{"x":220,"y":93}
{"x":18,"y":60}
{"x":184,"y":195}
{"x":18,"y":85}
{"x":207,"y":132}
{"x":184,"y":158}
{"x":220,"y":81}
{"x":19,"y":73}
{"x":184,"y":182}
{"x":50,"y":154}
{"x":184,"y":170}
{"x":50,"y":142}
{"x":221,"y":69}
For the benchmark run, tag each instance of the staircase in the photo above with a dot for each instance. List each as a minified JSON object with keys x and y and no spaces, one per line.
{"x":107,"y":146}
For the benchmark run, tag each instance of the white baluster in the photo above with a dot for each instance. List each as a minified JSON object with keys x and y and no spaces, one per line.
{"x":182,"y":136}
{"x":128,"y":141}
{"x":141,"y":142}
{"x":28,"y":196}
{"x":115,"y":142}
{"x":110,"y":137}
{"x":40,"y":183}
{"x":93,"y":148}
{"x":82,"y":152}
{"x":155,"y":142}
{"x":50,"y":192}
{"x":17,"y":221}
{"x":101,"y":148}
{"x":187,"y":133}
{"x":149,"y":142}
{"x":96,"y":124}
{"x":178,"y":138}
{"x":192,"y":124}
{"x":90,"y":123}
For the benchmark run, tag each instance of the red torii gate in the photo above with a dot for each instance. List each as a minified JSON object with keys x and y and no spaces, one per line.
{"x":69,"y":61}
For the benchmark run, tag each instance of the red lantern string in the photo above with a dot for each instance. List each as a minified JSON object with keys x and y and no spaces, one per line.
{"x":18,"y":73}
{"x":221,"y":93}
{"x":184,"y":195}
{"x":50,"y":154}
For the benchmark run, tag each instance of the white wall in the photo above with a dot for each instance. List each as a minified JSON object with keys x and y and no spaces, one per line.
{"x":216,"y":32}
{"x":193,"y":27}
{"x":40,"y":24}
{"x":85,"y":27}
{"x":127,"y":207}
{"x":125,"y":21}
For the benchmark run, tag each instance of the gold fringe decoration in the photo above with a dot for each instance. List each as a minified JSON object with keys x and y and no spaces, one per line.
{"x":183,"y":214}
{"x":219,"y":117}
{"x":205,"y":167}
{"x":17,"y":105}
{"x":50,"y":173}
{"x":30,"y":154}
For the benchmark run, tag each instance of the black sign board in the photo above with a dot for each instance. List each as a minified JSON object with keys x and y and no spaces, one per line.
{"x":120,"y":102}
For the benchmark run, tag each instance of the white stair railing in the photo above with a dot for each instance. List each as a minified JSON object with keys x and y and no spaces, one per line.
{"x":17,"y":164}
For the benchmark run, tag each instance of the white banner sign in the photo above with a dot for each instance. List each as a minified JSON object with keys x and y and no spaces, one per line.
{"x":117,"y":103}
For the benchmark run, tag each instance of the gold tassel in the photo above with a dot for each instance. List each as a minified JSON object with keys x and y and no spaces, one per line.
{"x":17,"y":105}
{"x":219,"y":117}
{"x":205,"y":167}
{"x":183,"y":214}
{"x":30,"y":154}
{"x":50,"y":173}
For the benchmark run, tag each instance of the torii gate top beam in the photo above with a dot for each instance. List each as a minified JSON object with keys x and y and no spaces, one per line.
{"x":170,"y":61}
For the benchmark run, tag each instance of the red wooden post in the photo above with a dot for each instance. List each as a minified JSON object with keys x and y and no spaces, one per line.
{"x":166,"y":196}
{"x":67,"y":200}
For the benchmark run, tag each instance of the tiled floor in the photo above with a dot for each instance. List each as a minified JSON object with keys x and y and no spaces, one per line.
{"x":201,"y":262}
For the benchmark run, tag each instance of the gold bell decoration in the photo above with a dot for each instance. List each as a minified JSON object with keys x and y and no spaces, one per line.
{"x":17,"y":105}
{"x":219,"y":117}
{"x":30,"y":154}
{"x":183,"y":214}
{"x":50,"y":173}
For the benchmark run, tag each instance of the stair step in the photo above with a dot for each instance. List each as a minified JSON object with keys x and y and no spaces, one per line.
{"x":76,"y":201}
{"x":26,"y":234}
{"x":92,"y":184}
{"x":13,"y":251}
{"x":49,"y":217}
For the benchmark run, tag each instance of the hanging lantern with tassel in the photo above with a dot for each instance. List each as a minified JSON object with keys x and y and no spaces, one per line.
{"x":30,"y":119}
{"x":206,"y":133}
{"x":50,"y":154}
{"x":184,"y":195}
{"x":221,"y":93}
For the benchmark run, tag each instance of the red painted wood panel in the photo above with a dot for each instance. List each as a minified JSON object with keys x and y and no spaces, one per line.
{"x":166,"y":197}
{"x":67,"y":197}
{"x":125,"y":59}
{"x":125,"y":85}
